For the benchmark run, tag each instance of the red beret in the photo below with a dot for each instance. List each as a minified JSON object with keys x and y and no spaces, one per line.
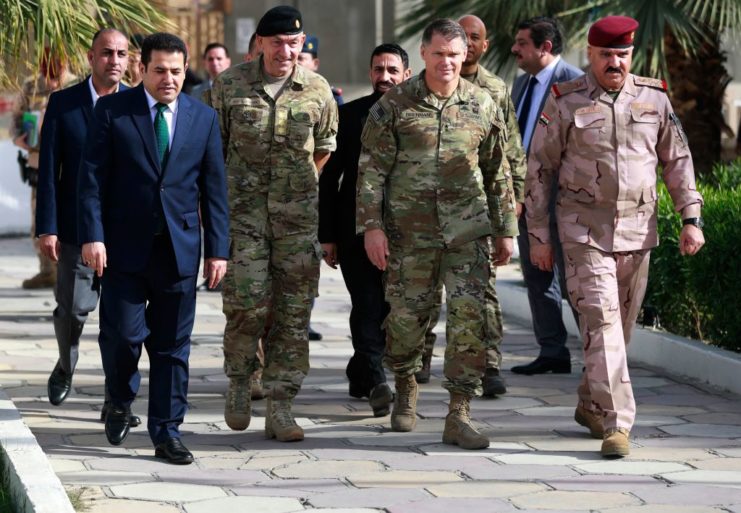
{"x":613,"y":32}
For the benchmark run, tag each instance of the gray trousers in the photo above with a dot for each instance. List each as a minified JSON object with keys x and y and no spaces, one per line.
{"x":77,"y":292}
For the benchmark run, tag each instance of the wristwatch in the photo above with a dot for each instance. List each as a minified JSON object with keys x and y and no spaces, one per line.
{"x":696,"y":221}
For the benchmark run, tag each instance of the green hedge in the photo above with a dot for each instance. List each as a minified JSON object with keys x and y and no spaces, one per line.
{"x":700,"y":296}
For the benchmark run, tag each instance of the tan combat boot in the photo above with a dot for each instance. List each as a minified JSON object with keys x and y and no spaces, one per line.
{"x":423,"y":375}
{"x":616,"y":443}
{"x":279,"y":421}
{"x":41,"y":281}
{"x":238,"y":407}
{"x":404,"y":413}
{"x":590,"y":420}
{"x":257,"y":391}
{"x":458,"y":428}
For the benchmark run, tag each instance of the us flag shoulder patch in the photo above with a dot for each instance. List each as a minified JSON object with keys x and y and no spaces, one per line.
{"x":544,"y":119}
{"x":377,"y":112}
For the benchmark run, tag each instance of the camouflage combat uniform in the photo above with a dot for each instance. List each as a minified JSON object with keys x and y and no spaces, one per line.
{"x":430,"y":176}
{"x":515,"y":158}
{"x":604,"y":153}
{"x":273,"y":195}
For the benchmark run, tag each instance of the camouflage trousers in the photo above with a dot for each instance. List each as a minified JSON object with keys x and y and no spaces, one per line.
{"x":607,"y":290}
{"x":412,"y":283}
{"x":278,"y":276}
{"x":493,"y":329}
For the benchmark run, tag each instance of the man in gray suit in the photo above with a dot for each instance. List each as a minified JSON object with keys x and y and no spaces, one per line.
{"x":537,"y":48}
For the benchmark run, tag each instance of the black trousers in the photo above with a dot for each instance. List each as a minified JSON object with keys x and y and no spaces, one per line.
{"x":364,"y":282}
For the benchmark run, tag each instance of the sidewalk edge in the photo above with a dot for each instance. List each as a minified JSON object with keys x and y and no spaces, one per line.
{"x":677,"y":355}
{"x":27,"y":473}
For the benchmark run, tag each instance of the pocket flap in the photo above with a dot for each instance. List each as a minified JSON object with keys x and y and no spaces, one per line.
{"x":190,"y":219}
{"x":649,"y":194}
{"x":589,"y":120}
{"x":644,"y":113}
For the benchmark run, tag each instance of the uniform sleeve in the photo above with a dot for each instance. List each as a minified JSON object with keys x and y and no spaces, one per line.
{"x":514,"y":151}
{"x":497,"y":175}
{"x":325,"y":132}
{"x":329,"y":188}
{"x":542,"y":168}
{"x":674,"y":154}
{"x":219,"y":104}
{"x":377,"y":158}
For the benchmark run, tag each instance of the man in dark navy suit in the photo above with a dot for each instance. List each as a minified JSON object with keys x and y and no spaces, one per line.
{"x":62,"y":140}
{"x":389,"y":66}
{"x":537,"y":48}
{"x":152,"y":159}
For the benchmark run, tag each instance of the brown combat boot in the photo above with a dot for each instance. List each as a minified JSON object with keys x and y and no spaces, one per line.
{"x":257,"y":392}
{"x":616,"y":443}
{"x":404,"y":413}
{"x":590,"y":420}
{"x":41,"y":281}
{"x":279,"y":421}
{"x":423,"y":375}
{"x":238,"y":407}
{"x":458,"y":428}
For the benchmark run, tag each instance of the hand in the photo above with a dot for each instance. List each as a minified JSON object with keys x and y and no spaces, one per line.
{"x":20,"y":141}
{"x":214,"y":270}
{"x":377,"y":247}
{"x":94,"y":256}
{"x":329,"y":251}
{"x":503,"y":249}
{"x":541,"y":256}
{"x":691,"y":239}
{"x":49,"y":245}
{"x":518,"y":209}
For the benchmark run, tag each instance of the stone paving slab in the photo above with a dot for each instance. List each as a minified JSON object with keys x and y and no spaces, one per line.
{"x":686,"y":446}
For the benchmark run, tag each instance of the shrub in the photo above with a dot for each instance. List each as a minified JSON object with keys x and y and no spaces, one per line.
{"x":697,"y":296}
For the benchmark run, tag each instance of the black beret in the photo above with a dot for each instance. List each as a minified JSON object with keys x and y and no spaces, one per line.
{"x":282,"y":19}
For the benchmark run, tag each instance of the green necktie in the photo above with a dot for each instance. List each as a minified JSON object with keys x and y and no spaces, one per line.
{"x":161,"y":133}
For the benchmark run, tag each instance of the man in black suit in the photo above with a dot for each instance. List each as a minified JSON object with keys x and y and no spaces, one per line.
{"x":389,"y":66}
{"x":62,"y":140}
{"x":152,"y":161}
{"x":537,"y":48}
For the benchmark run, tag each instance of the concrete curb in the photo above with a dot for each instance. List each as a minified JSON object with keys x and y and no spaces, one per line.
{"x":27,"y":473}
{"x":677,"y":355}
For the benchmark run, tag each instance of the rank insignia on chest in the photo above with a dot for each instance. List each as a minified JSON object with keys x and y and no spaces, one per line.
{"x":544,"y":119}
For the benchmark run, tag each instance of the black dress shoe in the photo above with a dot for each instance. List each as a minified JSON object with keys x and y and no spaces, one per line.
{"x":380,"y":399}
{"x":173,"y":451}
{"x":314,"y":335}
{"x":117,"y":422}
{"x":357,"y":390}
{"x":59,"y":385}
{"x":542,"y":365}
{"x":493,"y":383}
{"x":203,"y":287}
{"x":133,"y":422}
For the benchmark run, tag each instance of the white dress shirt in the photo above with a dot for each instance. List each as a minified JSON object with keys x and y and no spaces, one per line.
{"x":93,"y":92}
{"x":170,"y":114}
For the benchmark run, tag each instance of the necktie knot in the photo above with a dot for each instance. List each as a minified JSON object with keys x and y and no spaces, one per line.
{"x":161,"y":108}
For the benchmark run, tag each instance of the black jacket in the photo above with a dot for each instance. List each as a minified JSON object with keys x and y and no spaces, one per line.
{"x":340,"y":174}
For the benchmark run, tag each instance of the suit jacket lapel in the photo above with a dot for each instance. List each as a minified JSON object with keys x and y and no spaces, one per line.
{"x":143,"y":121}
{"x":183,"y":124}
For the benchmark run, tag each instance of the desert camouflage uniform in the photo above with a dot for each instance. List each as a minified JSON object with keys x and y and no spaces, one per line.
{"x":430,"y":175}
{"x":515,"y":158}
{"x":604,"y":154}
{"x":273,"y":195}
{"x":34,"y":97}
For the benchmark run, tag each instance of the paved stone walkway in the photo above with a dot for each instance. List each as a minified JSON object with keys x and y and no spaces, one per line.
{"x":686,"y":453}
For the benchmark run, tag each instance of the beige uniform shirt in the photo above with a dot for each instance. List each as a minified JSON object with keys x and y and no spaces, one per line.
{"x":604,"y":155}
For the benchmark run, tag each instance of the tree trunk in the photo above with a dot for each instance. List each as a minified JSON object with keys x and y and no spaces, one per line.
{"x":698,"y":84}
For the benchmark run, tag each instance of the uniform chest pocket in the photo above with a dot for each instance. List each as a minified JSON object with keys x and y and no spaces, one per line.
{"x":590,"y":126}
{"x":301,"y":127}
{"x":644,"y":121}
{"x":248,"y":133}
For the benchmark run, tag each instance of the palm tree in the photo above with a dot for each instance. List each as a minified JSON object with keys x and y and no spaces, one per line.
{"x":678,"y":40}
{"x":65,"y":26}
